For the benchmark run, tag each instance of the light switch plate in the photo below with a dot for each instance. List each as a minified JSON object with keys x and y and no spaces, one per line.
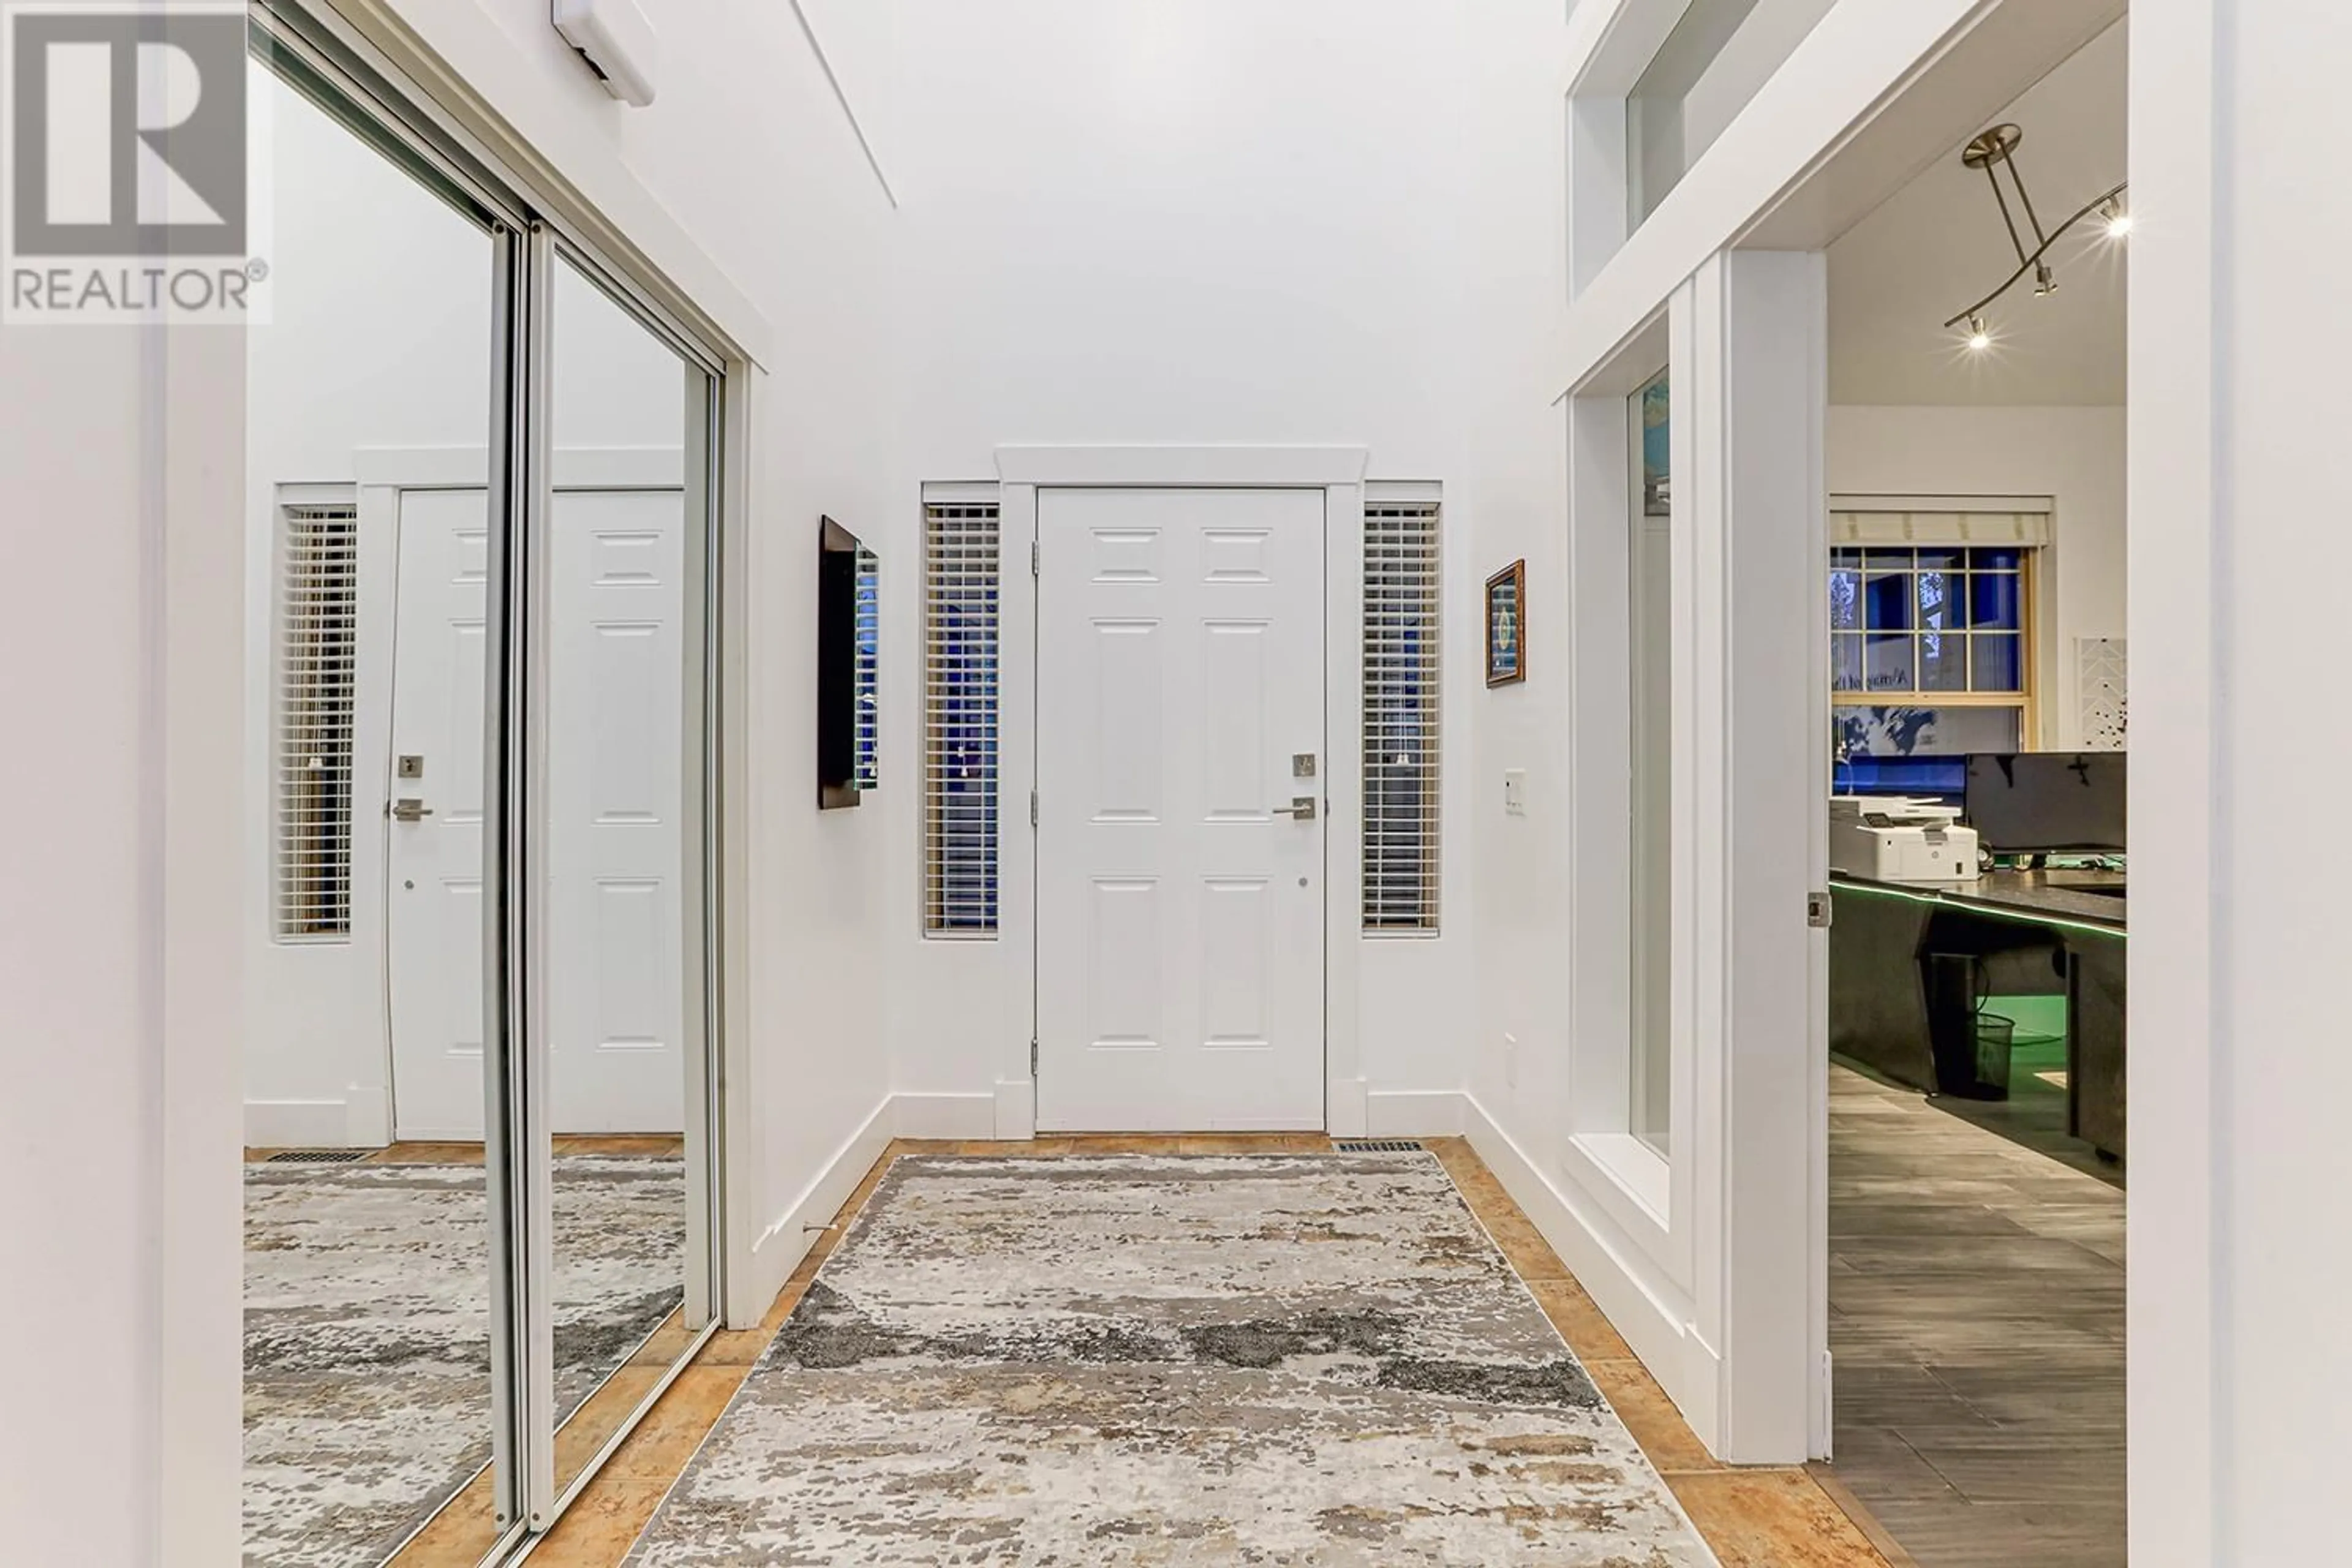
{"x":1515,"y":792}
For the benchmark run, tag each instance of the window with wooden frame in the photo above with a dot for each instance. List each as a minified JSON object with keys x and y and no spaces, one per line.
{"x":1403,"y":591}
{"x":1931,"y":631}
{"x":960,"y":719}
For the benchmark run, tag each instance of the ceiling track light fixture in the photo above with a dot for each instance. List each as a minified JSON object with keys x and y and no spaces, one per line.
{"x":1993,"y":150}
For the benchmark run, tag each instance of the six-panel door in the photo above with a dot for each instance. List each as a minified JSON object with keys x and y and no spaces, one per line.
{"x":1180,"y":844}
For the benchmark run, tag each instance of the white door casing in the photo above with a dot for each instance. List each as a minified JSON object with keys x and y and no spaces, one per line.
{"x":1180,"y":904}
{"x":614,"y":797}
{"x":614,"y":800}
{"x":433,"y":929}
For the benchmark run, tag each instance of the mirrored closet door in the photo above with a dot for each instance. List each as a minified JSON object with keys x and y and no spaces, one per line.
{"x":370,"y":1313}
{"x":480,"y":1181}
{"x":619,"y":825}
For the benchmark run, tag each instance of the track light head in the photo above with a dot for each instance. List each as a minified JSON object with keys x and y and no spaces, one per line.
{"x":2045,"y":283}
{"x":1978,"y":340}
{"x":2117,"y":219}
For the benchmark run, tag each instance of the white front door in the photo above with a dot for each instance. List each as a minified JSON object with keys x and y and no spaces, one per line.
{"x":1179,"y":900}
{"x":612,"y":843}
{"x":433,"y":861}
{"x":615,"y":790}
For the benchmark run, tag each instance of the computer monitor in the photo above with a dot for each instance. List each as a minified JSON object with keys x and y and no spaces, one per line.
{"x":2031,"y":803}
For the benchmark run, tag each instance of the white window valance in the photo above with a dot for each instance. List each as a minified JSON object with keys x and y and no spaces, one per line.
{"x":2024,"y":528}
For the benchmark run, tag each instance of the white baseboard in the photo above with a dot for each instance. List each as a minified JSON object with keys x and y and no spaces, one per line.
{"x":1016,"y":1108}
{"x":788,"y":1238}
{"x":1412,"y":1113}
{"x":1343,"y":1107}
{"x":945,"y":1115}
{"x":367,"y":1116}
{"x":301,"y":1124}
{"x":1656,"y":1326}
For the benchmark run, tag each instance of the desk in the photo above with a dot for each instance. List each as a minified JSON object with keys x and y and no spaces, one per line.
{"x":2037,"y":932}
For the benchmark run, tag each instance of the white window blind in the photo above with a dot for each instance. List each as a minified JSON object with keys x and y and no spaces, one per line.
{"x":318,"y":650}
{"x":868,"y":771}
{"x":960,"y":715}
{"x":1400,"y":717}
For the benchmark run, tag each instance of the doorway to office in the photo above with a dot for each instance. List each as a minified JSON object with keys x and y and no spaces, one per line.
{"x":1974,"y":662}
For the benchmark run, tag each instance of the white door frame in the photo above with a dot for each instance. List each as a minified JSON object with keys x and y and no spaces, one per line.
{"x":1339,"y":473}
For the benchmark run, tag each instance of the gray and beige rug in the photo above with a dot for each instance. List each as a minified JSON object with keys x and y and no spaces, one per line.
{"x":1090,"y":1361}
{"x":367,"y":1334}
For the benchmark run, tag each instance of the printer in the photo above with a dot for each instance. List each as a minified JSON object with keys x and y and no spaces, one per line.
{"x":1898,"y":838}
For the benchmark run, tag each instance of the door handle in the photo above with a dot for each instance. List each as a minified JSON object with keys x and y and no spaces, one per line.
{"x":1301,"y":807}
{"x":409,"y":809}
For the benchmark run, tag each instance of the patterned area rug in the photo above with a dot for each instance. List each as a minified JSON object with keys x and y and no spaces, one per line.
{"x":1270,"y":1359}
{"x":367,"y":1347}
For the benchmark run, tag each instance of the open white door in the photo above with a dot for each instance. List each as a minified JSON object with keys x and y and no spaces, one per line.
{"x":434,"y":853}
{"x":1180,"y":845}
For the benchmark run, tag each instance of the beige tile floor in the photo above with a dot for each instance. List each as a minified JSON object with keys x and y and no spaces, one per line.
{"x":1754,"y":1518}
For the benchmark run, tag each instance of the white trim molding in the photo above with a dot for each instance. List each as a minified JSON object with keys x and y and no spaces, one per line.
{"x":1415,"y":1113}
{"x":787,"y":1237}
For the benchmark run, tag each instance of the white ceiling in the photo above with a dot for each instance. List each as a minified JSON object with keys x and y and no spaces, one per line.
{"x":1938,"y":244}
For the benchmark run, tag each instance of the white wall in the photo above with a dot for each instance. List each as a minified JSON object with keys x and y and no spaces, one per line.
{"x":1213,"y":222}
{"x":2073,"y":455}
{"x":379,"y":337}
{"x":2240,"y":1260}
{"x":119,"y":967}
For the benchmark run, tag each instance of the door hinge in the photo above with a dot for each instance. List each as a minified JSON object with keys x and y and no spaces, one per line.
{"x":1035,"y":549}
{"x":1033,"y":1055}
{"x":1817,"y":909}
{"x":1032,"y":808}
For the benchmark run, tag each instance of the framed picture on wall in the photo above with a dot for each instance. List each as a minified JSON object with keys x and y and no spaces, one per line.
{"x":1507,"y":625}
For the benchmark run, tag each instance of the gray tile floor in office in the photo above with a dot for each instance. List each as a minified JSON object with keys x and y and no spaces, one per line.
{"x":1977,"y":1323}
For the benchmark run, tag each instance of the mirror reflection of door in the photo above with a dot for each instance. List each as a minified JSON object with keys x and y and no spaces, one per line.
{"x":615,"y":852}
{"x":433,"y":831}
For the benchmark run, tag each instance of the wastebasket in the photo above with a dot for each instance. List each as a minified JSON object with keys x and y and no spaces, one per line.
{"x":1971,"y":1055}
{"x":1995,"y":1036}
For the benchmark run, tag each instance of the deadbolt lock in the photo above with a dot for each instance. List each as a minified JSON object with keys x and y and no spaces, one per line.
{"x":1302,"y":764}
{"x":411,"y":766}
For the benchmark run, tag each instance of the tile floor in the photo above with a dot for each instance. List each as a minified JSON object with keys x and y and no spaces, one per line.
{"x":1977,"y":1323}
{"x":1781,"y":1518}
